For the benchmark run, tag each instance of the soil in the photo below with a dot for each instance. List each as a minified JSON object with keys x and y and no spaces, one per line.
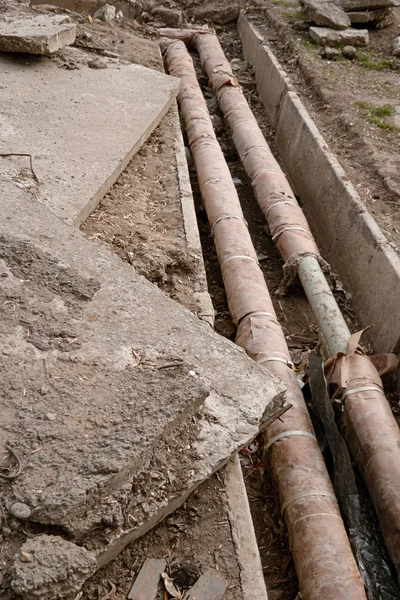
{"x":141,"y":219}
{"x":194,"y":538}
{"x":344,"y":98}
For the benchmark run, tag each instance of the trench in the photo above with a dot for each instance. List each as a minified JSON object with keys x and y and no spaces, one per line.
{"x":301,"y":331}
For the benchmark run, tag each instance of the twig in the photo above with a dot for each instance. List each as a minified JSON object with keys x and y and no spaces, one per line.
{"x":23,"y":154}
{"x":19,"y":465}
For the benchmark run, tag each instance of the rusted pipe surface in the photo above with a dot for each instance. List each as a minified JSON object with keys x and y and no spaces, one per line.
{"x":370,"y":428}
{"x":322,"y":554}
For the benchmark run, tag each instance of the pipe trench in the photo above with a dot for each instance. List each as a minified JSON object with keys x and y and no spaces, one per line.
{"x":324,"y":562}
{"x":370,"y":428}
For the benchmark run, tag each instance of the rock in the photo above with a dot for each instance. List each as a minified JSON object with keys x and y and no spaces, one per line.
{"x":325,"y":36}
{"x":351,"y":5}
{"x":20,"y":510}
{"x":238,"y":65}
{"x":349,"y":52}
{"x":368,"y":16}
{"x":396,"y":46}
{"x":396,"y":64}
{"x":50,"y":567}
{"x":35,"y":33}
{"x":325,"y":13}
{"x":329,"y":53}
{"x":50,"y":416}
{"x":386,"y":21}
{"x":221,"y":15}
{"x":172,"y":17}
{"x":105,"y":13}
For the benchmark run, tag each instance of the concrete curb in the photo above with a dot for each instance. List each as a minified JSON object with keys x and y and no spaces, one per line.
{"x":201,"y":294}
{"x":348,"y":236}
{"x":243,"y":534}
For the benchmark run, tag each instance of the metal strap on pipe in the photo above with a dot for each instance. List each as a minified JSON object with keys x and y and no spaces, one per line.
{"x":285,"y":361}
{"x":245,"y":256}
{"x":284,"y":434}
{"x":280,"y":202}
{"x":307,"y":495}
{"x":260,"y":313}
{"x":364,"y":388}
{"x":226,"y":217}
{"x":275,"y":237}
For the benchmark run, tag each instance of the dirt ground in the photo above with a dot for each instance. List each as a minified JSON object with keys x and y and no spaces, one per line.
{"x":355,"y":104}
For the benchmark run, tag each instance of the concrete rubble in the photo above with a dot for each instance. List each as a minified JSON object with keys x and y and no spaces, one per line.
{"x":355,"y":5}
{"x":396,"y":46}
{"x":35,"y":33}
{"x":332,"y":37}
{"x":373,"y":16}
{"x":325,"y":13}
{"x":122,"y":399}
{"x":96,"y":105}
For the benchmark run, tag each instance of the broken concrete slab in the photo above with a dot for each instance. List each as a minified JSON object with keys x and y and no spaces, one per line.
{"x":111,"y":359}
{"x":325,"y":13}
{"x":396,"y":46}
{"x":368,"y":16}
{"x":332,"y":37}
{"x":35,"y":33}
{"x":48,"y":566}
{"x":352,"y":5}
{"x":114,"y":109}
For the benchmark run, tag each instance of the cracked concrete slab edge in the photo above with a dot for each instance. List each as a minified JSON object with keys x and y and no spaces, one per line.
{"x":202,"y":296}
{"x":244,"y":538}
{"x":99,"y":195}
{"x":348,"y":236}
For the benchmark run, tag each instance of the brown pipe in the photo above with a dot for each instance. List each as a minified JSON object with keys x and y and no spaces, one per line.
{"x":324,"y":562}
{"x":370,"y":429}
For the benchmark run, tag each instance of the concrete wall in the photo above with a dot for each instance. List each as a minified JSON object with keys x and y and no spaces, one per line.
{"x":348,"y":236}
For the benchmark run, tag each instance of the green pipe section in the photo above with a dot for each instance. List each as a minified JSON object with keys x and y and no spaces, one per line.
{"x":329,"y":317}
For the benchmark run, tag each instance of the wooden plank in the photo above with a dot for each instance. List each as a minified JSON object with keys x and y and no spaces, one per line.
{"x":211,"y":586}
{"x":146,"y":584}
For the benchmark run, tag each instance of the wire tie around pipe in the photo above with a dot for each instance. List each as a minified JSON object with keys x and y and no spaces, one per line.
{"x":364,"y":388}
{"x":291,"y":433}
{"x":245,"y":256}
{"x":211,"y":181}
{"x":250,"y":149}
{"x":226,"y":217}
{"x":285,"y":361}
{"x":293,"y":202}
{"x":275,"y":237}
{"x":307,"y":495}
{"x":260,"y":313}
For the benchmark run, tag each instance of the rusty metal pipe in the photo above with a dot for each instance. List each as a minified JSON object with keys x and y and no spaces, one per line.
{"x":322,"y":554}
{"x":370,"y":428}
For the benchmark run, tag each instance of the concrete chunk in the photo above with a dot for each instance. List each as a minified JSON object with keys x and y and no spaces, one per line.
{"x":99,"y":337}
{"x":113,"y":109}
{"x":35,"y":33}
{"x":368,"y":16}
{"x":396,"y":46}
{"x":325,"y":13}
{"x":351,"y":5}
{"x":49,"y":567}
{"x":331,"y":37}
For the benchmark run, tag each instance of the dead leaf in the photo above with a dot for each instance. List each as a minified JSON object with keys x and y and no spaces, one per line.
{"x":170,"y":587}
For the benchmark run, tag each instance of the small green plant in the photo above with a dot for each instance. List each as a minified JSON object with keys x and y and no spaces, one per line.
{"x":308,"y":44}
{"x":386,"y":110}
{"x":376,"y":115}
{"x":383,"y":126}
{"x":293,"y":15}
{"x":371,"y":62}
{"x":283,"y":3}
